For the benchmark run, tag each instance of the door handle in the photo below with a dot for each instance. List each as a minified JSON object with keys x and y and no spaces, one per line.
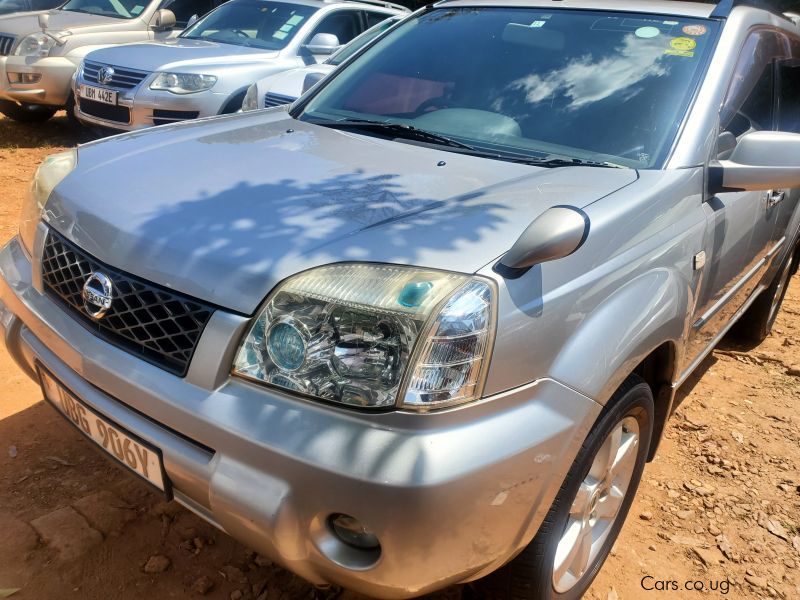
{"x":775,"y":197}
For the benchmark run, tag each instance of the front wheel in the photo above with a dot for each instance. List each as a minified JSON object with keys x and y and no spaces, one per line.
{"x":588,"y":513}
{"x":26,"y":113}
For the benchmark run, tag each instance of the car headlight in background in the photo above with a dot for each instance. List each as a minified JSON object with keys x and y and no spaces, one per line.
{"x":53,"y":169}
{"x":40,"y":44}
{"x":183,"y":83}
{"x":250,"y":101}
{"x":374,"y":336}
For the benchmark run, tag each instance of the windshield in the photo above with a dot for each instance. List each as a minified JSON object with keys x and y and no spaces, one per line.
{"x":361,"y":41}
{"x":266,"y":25}
{"x":597,"y":86}
{"x":117,"y":9}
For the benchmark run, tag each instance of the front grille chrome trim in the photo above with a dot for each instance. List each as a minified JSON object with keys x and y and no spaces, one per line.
{"x":154,"y":323}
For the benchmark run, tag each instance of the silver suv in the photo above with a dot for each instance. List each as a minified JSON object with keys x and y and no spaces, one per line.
{"x":207,"y":69}
{"x":40,"y":51}
{"x":427,"y":326}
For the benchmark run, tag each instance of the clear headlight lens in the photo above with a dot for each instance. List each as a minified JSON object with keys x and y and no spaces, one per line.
{"x":53,"y":169}
{"x":374,"y":336}
{"x":250,"y":101}
{"x":39,"y":44}
{"x":183,"y":83}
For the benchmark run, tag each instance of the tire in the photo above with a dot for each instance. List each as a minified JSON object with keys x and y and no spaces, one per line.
{"x":234,"y":103}
{"x":531,"y":575}
{"x":27,"y":113}
{"x":755,"y":325}
{"x":72,"y":119}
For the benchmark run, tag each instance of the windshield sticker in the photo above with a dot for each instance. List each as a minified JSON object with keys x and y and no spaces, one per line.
{"x":670,"y":22}
{"x":295,"y":20}
{"x":286,"y":28}
{"x":538,"y":24}
{"x":683,"y":43}
{"x":694,"y":29}
{"x":647,"y":32}
{"x":137,"y":9}
{"x":684,"y":53}
{"x":280,"y":35}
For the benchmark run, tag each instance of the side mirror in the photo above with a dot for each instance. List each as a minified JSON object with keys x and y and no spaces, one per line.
{"x":44,"y":21}
{"x":762,"y":160}
{"x":556,"y":233}
{"x":311,"y":80}
{"x":323,"y":43}
{"x":163,"y":20}
{"x":192,"y":20}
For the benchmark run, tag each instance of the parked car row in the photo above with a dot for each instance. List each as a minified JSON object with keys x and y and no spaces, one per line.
{"x":128,"y":66}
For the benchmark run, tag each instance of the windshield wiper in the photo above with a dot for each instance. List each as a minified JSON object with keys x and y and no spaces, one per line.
{"x":398,"y":130}
{"x":560,"y":162}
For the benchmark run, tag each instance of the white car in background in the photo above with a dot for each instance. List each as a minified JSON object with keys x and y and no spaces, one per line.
{"x":288,"y":86}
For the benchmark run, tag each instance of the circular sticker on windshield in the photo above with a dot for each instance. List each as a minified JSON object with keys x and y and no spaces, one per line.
{"x":647,"y":32}
{"x":694,"y":29}
{"x":683,"y":43}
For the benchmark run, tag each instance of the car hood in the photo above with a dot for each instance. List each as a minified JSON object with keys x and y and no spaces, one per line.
{"x":225,"y":208}
{"x":20,"y":24}
{"x":179,"y":53}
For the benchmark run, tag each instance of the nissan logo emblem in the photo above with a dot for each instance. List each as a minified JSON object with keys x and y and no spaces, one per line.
{"x":98,"y":293}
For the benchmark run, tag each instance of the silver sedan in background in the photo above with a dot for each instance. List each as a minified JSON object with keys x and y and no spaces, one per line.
{"x":288,"y":86}
{"x":207,"y":69}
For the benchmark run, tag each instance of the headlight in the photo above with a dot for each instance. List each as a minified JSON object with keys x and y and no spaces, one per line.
{"x":250,"y":101}
{"x":374,"y":336}
{"x":49,"y":174}
{"x":183,"y":83}
{"x":40,"y":43}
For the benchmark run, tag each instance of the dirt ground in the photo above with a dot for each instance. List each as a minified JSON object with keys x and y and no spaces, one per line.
{"x":718,"y":510}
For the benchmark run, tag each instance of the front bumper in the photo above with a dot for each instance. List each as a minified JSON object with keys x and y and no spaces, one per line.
{"x":142,"y":107}
{"x":52,"y":89}
{"x":451,"y":495}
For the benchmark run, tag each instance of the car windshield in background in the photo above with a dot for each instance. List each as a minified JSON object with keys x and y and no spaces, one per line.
{"x":530,"y":83}
{"x":117,"y":9}
{"x":266,"y":25}
{"x":361,"y":41}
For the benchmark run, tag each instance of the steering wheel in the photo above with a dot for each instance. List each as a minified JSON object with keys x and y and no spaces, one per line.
{"x":240,"y":33}
{"x":434,"y":103}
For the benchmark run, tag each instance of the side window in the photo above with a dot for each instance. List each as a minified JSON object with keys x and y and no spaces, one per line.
{"x":344,"y":24}
{"x":185,"y":9}
{"x":373,"y":18}
{"x":752,"y":95}
{"x":789,"y":94}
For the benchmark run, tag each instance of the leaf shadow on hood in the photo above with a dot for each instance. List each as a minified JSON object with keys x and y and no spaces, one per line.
{"x":245,"y":239}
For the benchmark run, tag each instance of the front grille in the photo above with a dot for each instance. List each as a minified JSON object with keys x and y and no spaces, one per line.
{"x":123,"y":79}
{"x":119,"y":114}
{"x":152,"y":322}
{"x":6,"y":43}
{"x":272,"y":100}
{"x":162,"y":117}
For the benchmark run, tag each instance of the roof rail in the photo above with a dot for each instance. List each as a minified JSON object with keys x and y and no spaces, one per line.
{"x":374,"y":3}
{"x":777,"y":7}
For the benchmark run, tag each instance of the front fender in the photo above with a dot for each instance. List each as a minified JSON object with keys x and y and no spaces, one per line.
{"x":626,"y":327}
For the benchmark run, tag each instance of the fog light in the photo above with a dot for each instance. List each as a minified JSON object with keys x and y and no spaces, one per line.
{"x":350,"y":531}
{"x":24,"y":77}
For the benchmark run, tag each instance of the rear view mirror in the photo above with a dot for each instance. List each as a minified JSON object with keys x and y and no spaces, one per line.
{"x":534,"y":36}
{"x":163,"y":20}
{"x":323,"y":43}
{"x":761,"y":160}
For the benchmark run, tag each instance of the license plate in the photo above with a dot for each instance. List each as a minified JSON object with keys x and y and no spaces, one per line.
{"x":97,"y":94}
{"x":138,"y":456}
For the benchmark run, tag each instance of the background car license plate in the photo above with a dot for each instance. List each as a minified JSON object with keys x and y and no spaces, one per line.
{"x":98,"y":94}
{"x":132,"y":452}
